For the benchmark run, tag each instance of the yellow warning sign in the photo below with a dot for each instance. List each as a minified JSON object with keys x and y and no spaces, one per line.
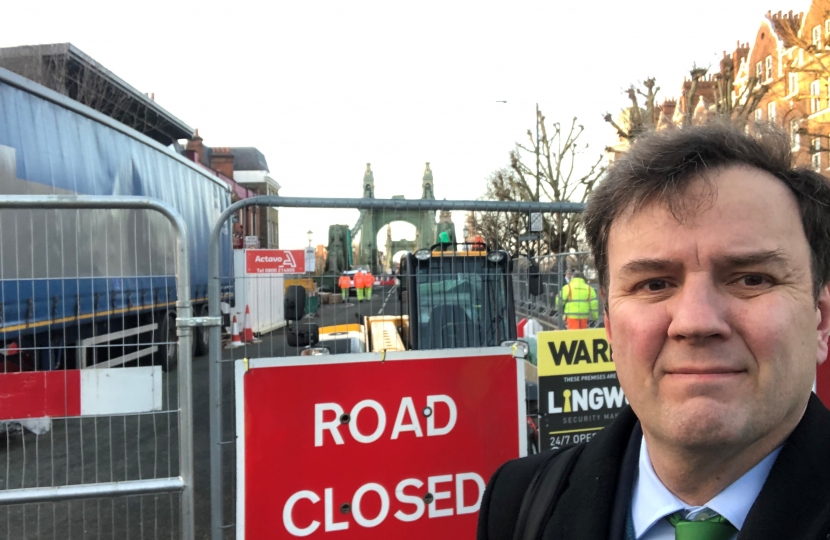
{"x":574,"y":352}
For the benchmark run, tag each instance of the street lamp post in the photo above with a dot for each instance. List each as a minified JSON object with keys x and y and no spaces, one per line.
{"x":537,"y":152}
{"x":309,"y":233}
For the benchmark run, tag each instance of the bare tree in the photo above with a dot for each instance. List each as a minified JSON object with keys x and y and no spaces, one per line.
{"x":724,"y":102}
{"x":564,"y":174}
{"x":639,"y":120}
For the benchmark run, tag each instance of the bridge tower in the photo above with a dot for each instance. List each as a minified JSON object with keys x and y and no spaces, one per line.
{"x":373,"y":221}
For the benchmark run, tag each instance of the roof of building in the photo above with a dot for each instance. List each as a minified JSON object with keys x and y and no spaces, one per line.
{"x":248,"y":158}
{"x":64,"y":68}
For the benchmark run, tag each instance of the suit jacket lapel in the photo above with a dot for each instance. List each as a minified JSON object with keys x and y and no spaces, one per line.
{"x":583,"y":510}
{"x":794,"y":500}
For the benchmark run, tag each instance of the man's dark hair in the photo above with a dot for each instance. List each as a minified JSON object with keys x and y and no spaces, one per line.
{"x":660,"y":167}
{"x":578,"y":275}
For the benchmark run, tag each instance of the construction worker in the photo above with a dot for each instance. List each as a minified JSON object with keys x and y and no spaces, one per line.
{"x":358,"y":285}
{"x":368,"y":283}
{"x":345,"y":283}
{"x":578,"y":302}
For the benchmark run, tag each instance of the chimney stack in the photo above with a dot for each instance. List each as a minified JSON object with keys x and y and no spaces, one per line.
{"x":221,"y":161}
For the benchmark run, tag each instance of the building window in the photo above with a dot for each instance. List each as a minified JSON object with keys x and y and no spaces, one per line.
{"x":759,"y":115}
{"x":759,"y":71}
{"x":768,"y":68}
{"x":771,"y":111}
{"x":816,"y":154}
{"x":827,"y":26}
{"x":815,"y":95}
{"x":793,"y":83}
{"x":794,"y":136}
{"x":817,"y":36}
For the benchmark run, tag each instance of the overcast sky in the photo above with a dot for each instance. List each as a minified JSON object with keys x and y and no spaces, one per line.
{"x":322,"y":88}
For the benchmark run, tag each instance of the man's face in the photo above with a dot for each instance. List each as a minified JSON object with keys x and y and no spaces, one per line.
{"x":713,"y":324}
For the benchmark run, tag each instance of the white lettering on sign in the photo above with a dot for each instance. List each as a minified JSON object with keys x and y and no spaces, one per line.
{"x":407,"y":408}
{"x":353,"y":429}
{"x":327,"y":419}
{"x":288,"y":509}
{"x":330,"y":524}
{"x":460,"y":507}
{"x":414,"y":499}
{"x":447,"y":400}
{"x":384,"y":506}
{"x":432,"y":487}
{"x":331,"y":425}
{"x":587,"y":400}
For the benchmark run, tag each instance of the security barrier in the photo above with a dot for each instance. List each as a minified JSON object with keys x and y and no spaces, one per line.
{"x":448,"y":292}
{"x":95,"y":379}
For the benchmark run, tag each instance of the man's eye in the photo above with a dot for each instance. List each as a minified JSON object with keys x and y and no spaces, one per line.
{"x":655,"y":285}
{"x":753,"y":280}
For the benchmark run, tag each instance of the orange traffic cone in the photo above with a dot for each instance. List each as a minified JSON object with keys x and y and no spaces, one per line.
{"x":235,"y":341}
{"x":248,"y":331}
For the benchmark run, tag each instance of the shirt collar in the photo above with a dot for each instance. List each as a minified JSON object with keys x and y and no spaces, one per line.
{"x":652,"y":501}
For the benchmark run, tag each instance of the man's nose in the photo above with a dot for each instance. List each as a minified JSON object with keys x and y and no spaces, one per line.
{"x":698,"y":311}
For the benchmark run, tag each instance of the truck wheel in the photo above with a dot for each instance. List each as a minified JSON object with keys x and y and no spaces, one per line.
{"x":201,"y":337}
{"x":167,"y":341}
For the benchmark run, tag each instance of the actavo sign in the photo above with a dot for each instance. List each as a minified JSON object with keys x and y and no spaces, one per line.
{"x":274,"y":261}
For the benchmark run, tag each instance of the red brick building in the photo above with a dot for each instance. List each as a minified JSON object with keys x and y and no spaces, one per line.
{"x":791,"y":57}
{"x":787,"y":66}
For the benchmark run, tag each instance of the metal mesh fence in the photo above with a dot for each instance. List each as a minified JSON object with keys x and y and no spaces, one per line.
{"x":91,"y":438}
{"x":394,"y":275}
{"x":554,"y":274}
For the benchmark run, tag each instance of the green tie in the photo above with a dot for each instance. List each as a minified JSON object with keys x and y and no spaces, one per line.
{"x":713,"y":528}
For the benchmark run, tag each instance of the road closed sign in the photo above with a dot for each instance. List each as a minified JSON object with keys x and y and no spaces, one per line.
{"x":579,"y":393}
{"x":274,"y":261}
{"x":359,"y":447}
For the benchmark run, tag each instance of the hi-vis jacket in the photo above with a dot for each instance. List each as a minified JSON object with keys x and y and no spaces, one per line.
{"x":345,"y":282}
{"x":580,"y":300}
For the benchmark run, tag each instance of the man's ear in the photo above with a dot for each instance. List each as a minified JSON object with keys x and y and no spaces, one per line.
{"x":823,"y":327}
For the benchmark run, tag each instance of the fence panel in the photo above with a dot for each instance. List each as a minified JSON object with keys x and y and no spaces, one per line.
{"x":95,"y":380}
{"x":554,"y":273}
{"x":467,"y":288}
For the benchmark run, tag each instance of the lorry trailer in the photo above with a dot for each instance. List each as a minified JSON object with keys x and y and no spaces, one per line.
{"x":83,"y":288}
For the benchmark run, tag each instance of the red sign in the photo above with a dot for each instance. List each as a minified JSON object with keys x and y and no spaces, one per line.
{"x":354,"y":447}
{"x":274,"y":261}
{"x":823,"y":381}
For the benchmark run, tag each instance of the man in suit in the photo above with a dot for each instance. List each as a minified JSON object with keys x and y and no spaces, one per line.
{"x":713,"y":264}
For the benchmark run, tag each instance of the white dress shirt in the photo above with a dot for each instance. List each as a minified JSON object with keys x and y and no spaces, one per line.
{"x":652,"y":501}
